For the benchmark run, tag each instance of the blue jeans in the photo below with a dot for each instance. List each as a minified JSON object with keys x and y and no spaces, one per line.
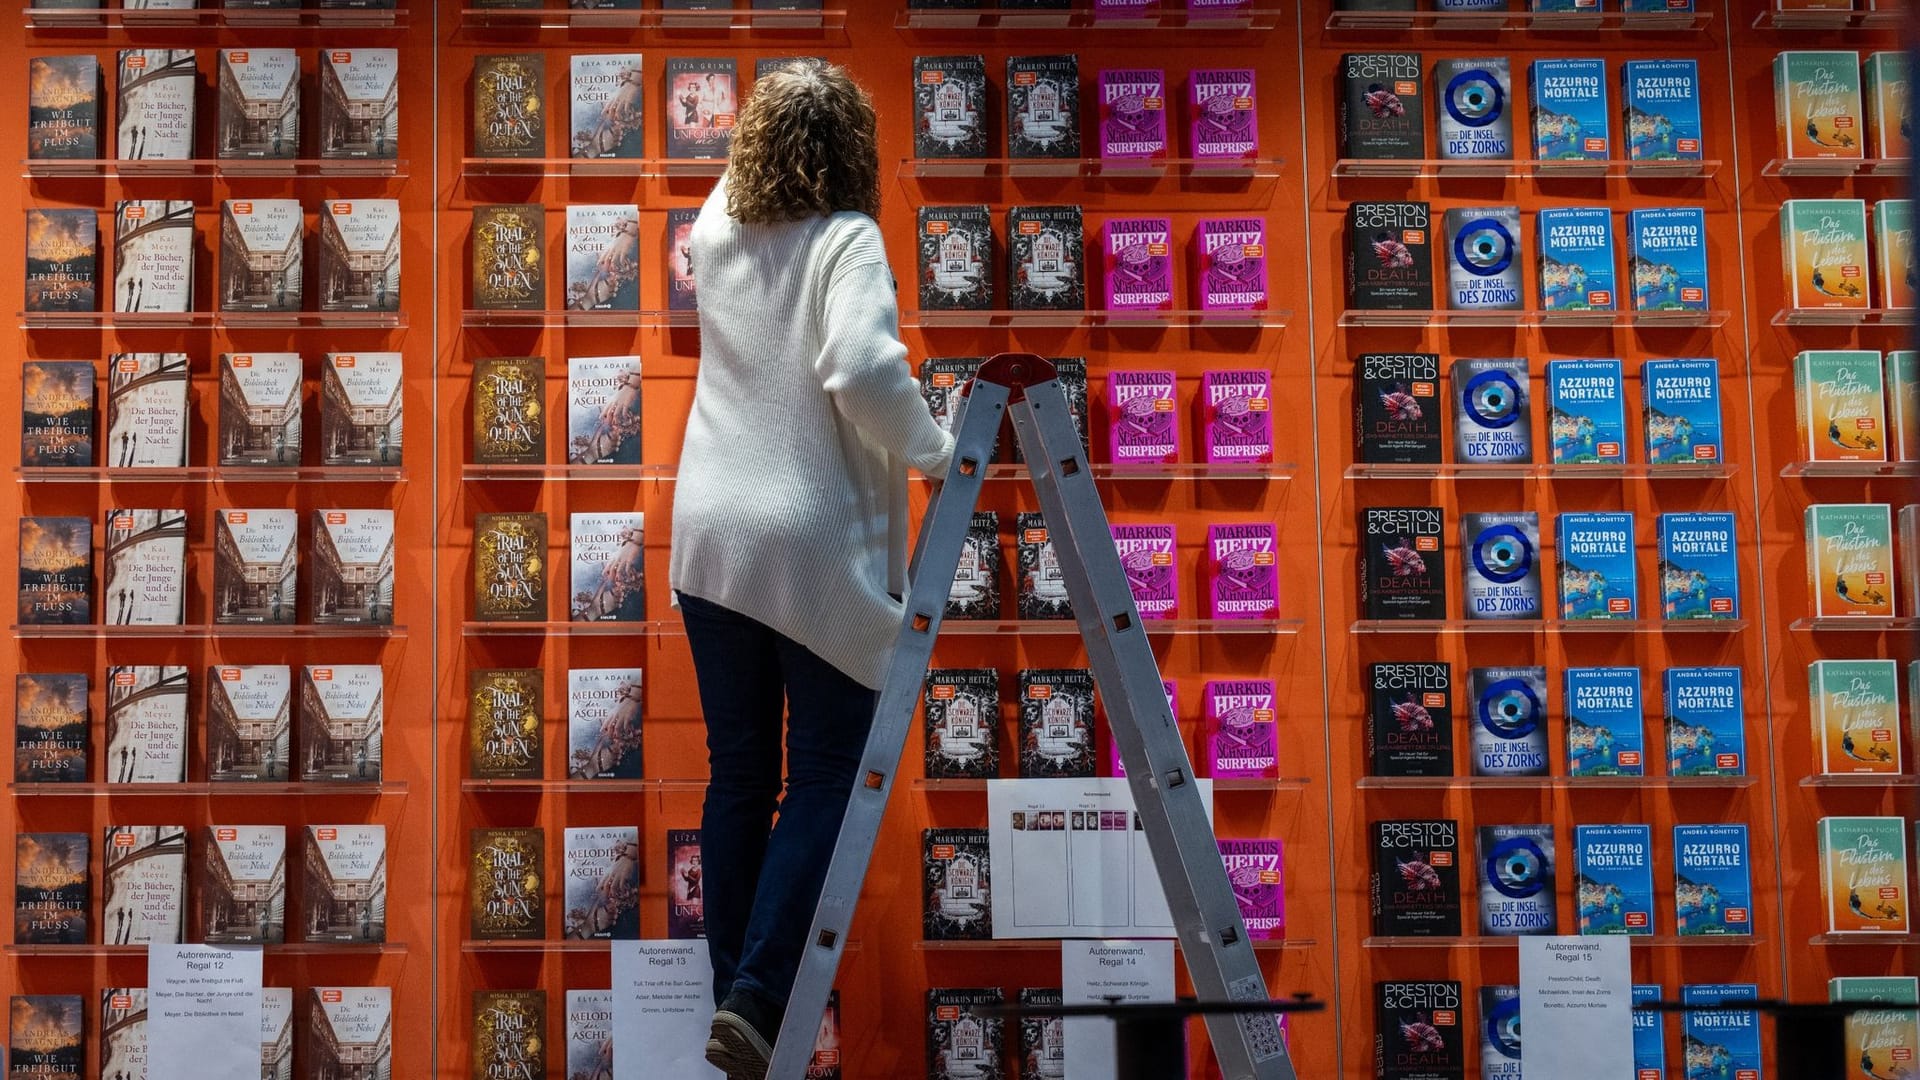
{"x":762,"y":878}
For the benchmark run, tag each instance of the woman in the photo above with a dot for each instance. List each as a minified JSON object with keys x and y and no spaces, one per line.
{"x":789,"y":521}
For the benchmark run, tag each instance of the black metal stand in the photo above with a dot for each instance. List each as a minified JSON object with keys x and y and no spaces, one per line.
{"x":1150,"y":1040}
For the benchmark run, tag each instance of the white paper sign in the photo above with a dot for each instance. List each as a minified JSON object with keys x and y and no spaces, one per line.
{"x":203,"y":1012}
{"x":1576,"y":1006}
{"x":1093,"y":973}
{"x":663,"y":1007}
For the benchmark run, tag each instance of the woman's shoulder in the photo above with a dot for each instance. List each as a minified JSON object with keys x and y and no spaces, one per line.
{"x":850,"y":238}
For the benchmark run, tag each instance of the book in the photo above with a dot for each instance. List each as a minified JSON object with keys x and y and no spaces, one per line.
{"x":589,"y":1033}
{"x":52,"y":888}
{"x":1500,"y":565}
{"x":1133,"y":113}
{"x":259,"y":103}
{"x":1729,"y":1037}
{"x":510,"y":1033}
{"x":1667,"y":258}
{"x":260,"y":409}
{"x":510,"y":105}
{"x":344,"y":894}
{"x":1221,"y":743}
{"x":1043,"y":588}
{"x":509,"y":410}
{"x":1613,"y":878}
{"x":1680,"y":407}
{"x":1517,"y":896}
{"x":1223,"y":122}
{"x":1409,"y":723}
{"x":57,"y":414}
{"x":123,"y":1031}
{"x":1046,"y":259}
{"x":1397,"y":408}
{"x":686,"y":896}
{"x":1850,"y":560}
{"x":950,"y":106}
{"x":607,"y":117}
{"x":701,"y":106}
{"x":1137,"y":256}
{"x":603,"y":257}
{"x":56,"y":571}
{"x":510,"y":567}
{"x":1598,"y":578}
{"x":146,"y":410}
{"x":955,"y":885}
{"x":603,"y":410}
{"x":46,"y":1036}
{"x":1660,"y":100}
{"x":1500,"y":1019}
{"x":360,"y":255}
{"x":347,"y":1025}
{"x":604,"y":724}
{"x":1230,"y":264}
{"x":1823,"y":253}
{"x":63,"y":107}
{"x":52,"y":720}
{"x":1839,"y":405}
{"x":1381,"y":115}
{"x":1484,"y":260}
{"x":1698,"y":568}
{"x":961,"y":710}
{"x":353,"y":556}
{"x":1568,"y":100}
{"x":1713,"y":890}
{"x":1043,"y":1040}
{"x":342,"y":722}
{"x":956,"y":258}
{"x":1415,"y":886}
{"x":145,"y":568}
{"x":504,"y":709}
{"x":1242,"y":732}
{"x":1817,"y":107}
{"x":1143,"y":417}
{"x":506,"y":892}
{"x":1885,"y":89}
{"x":1241,"y":571}
{"x":1893,"y":266}
{"x":509,"y":257}
{"x":242,"y":885}
{"x":1509,"y":720}
{"x":1704,"y":721}
{"x":1389,"y":256}
{"x":1473,"y":108}
{"x":1056,"y":723}
{"x":602,"y":883}
{"x":153,"y":256}
{"x":1071,"y":373}
{"x":942,"y":380}
{"x":276,"y":1033}
{"x":361,"y":409}
{"x":1256,"y":876}
{"x":609,"y":580}
{"x":146,"y":725}
{"x":260,"y":255}
{"x":1235,"y":411}
{"x":1863,"y":875}
{"x":1576,"y":258}
{"x":249,"y":722}
{"x":63,"y":260}
{"x":682,"y":289}
{"x":1418,"y":1031}
{"x":256,"y":566}
{"x":1909,"y":556}
{"x":1853,"y":709}
{"x":965,"y":1034}
{"x":1606,"y":734}
{"x":1403,"y":571}
{"x":1043,"y":106}
{"x":1649,"y":1035}
{"x":1883,"y":1041}
{"x":975,"y":592}
{"x":359,"y":102}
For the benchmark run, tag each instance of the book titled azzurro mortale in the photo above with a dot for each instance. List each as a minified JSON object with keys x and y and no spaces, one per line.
{"x":1598,"y":579}
{"x":1680,"y":407}
{"x":1606,"y":733}
{"x":1586,"y":412}
{"x":1698,"y":568}
{"x":1613,"y":878}
{"x":1576,"y":258}
{"x":1712,"y":880}
{"x":1730,"y":1038}
{"x":1705,"y":723}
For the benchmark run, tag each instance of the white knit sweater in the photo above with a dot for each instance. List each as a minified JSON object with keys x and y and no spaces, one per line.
{"x":791,"y":501}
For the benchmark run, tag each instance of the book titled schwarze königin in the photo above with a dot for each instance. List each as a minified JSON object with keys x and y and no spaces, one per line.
{"x":145,"y":874}
{"x":509,"y":257}
{"x":962,"y":714}
{"x":1410,"y":718}
{"x":1043,"y":106}
{"x":1042,"y":584}
{"x":342,"y":722}
{"x":56,"y":571}
{"x":1046,"y":259}
{"x":510,"y":567}
{"x":256,"y":565}
{"x":965,"y":1034}
{"x":260,"y":255}
{"x":955,"y":887}
{"x":955,"y":257}
{"x":146,"y":725}
{"x":146,"y":410}
{"x":57,"y":413}
{"x":975,"y":593}
{"x":153,"y":256}
{"x":259,"y":103}
{"x":1056,"y":722}
{"x":506,"y":899}
{"x":950,"y":107}
{"x":63,"y":260}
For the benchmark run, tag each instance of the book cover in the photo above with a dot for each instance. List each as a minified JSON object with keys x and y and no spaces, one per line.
{"x":682,"y":289}
{"x":1056,"y":723}
{"x":1730,"y":1039}
{"x":949,"y":106}
{"x":1839,"y":399}
{"x":57,"y":414}
{"x":608,"y":107}
{"x":259,"y":103}
{"x":350,"y":1028}
{"x":1409,"y":723}
{"x":260,"y":409}
{"x":589,"y":1033}
{"x":1242,"y":732}
{"x":146,"y":410}
{"x":1389,"y":256}
{"x":956,"y":258}
{"x":1147,"y":558}
{"x":965,"y":1034}
{"x":276,"y":1033}
{"x":145,"y":568}
{"x":1660,"y":100}
{"x":1223,"y":123}
{"x":359,"y":103}
{"x":1492,"y":412}
{"x":1418,"y":1031}
{"x":1500,"y":565}
{"x":52,"y":888}
{"x":1241,"y":571}
{"x":1256,"y":875}
{"x":56,"y":571}
{"x":1706,"y":730}
{"x":701,"y":106}
{"x":1823,"y":253}
{"x":361,"y":409}
{"x":1886,"y":94}
{"x":1850,"y":559}
{"x":1415,"y":886}
{"x":1143,"y":417}
{"x":1853,"y":709}
{"x":1484,"y":261}
{"x":510,"y":1034}
{"x":342,"y":722}
{"x":249,"y":722}
{"x":1680,"y":405}
{"x":1598,"y":577}
{"x":510,"y":567}
{"x":123,"y":1031}
{"x":63,"y":260}
{"x":1133,"y":113}
{"x":509,"y":257}
{"x":260,"y":255}
{"x":1606,"y":733}
{"x":609,"y":580}
{"x":1509,"y":721}
{"x":242,"y":885}
{"x":1071,"y":373}
{"x":1863,"y":874}
{"x":1230,"y":264}
{"x":1403,"y":570}
{"x":1043,"y":1040}
{"x":1576,"y":258}
{"x":1138,"y":263}
{"x":504,"y":709}
{"x":509,"y":410}
{"x":1397,"y":408}
{"x":63,"y":107}
{"x":153,"y":256}
{"x":1043,"y":589}
{"x":353,"y":553}
{"x":46,"y":1036}
{"x":602,"y":887}
{"x":146,"y":725}
{"x":1698,"y":568}
{"x":1381,"y":114}
{"x":961,"y":709}
{"x":510,"y":105}
{"x":1817,"y":107}
{"x":256,"y":566}
{"x":1500,"y":1023}
{"x":1043,"y":106}
{"x":360,"y":255}
{"x":1474,"y":107}
{"x":1649,"y":1035}
{"x":1613,"y":878}
{"x":942,"y":379}
{"x":51,"y":728}
{"x":955,"y":885}
{"x":686,"y":898}
{"x":1046,"y":259}
{"x":603,"y":410}
{"x":1517,"y":896}
{"x":603,"y":257}
{"x":506,"y":892}
{"x":345,"y":877}
{"x":1568,"y":99}
{"x":1883,"y":1041}
{"x":604,"y":724}
{"x":1893,"y":266}
{"x":1667,"y":258}
{"x":975,"y":593}
{"x":1235,"y":410}
{"x":1713,"y":890}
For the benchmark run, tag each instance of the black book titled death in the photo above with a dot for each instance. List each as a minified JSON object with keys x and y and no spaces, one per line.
{"x":1410,"y":718}
{"x":1403,"y":572}
{"x":1419,"y":1031}
{"x":1397,"y":408}
{"x":1389,"y":256}
{"x":1382,"y":111}
{"x":1415,"y":884}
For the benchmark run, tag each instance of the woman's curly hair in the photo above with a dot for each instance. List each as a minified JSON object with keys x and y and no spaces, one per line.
{"x":804,"y":146}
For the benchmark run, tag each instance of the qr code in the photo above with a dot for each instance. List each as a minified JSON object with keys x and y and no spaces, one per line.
{"x":1259,"y":1031}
